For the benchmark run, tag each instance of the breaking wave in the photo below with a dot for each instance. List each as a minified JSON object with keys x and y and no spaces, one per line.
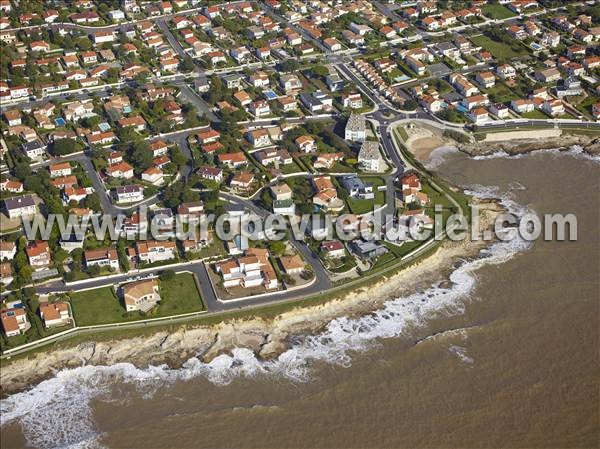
{"x":57,"y":413}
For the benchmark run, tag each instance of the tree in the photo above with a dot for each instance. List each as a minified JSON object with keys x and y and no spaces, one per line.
{"x":178,"y":157}
{"x":187,"y":65}
{"x":167,"y":275}
{"x":320,"y":70}
{"x":64,"y":146}
{"x":409,"y":105}
{"x":140,"y":156}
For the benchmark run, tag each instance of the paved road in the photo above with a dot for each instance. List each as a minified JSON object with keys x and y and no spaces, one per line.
{"x":191,"y":96}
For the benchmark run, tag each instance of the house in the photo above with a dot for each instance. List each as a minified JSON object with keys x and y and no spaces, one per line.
{"x":209,"y":136}
{"x":356,"y":188}
{"x":20,"y":206}
{"x":129,"y":194}
{"x":369,"y":157}
{"x":141,"y":295}
{"x":326,"y":196}
{"x":151,"y":251}
{"x":76,"y":193}
{"x":287,"y":103}
{"x":13,"y":117}
{"x":60,"y":169}
{"x":260,"y":108}
{"x":553,"y":107}
{"x":273,"y":156}
{"x":281,"y":192}
{"x":522,"y":105}
{"x":326,"y":160}
{"x":102,"y":257}
{"x":242,"y":181}
{"x":549,"y":75}
{"x":259,"y":137}
{"x":101,"y":37}
{"x":334,"y":249}
{"x":332,"y":44}
{"x":292,"y":264}
{"x":7,"y":250}
{"x":596,"y":111}
{"x":356,"y":128}
{"x":410,"y":181}
{"x":190,"y":212}
{"x":78,"y":110}
{"x":289,"y":83}
{"x":14,"y":321}
{"x":506,"y":72}
{"x":101,"y":138}
{"x":352,"y":100}
{"x":55,"y":314}
{"x":120,"y":170}
{"x":252,"y":270}
{"x":486,"y":79}
{"x":11,"y":185}
{"x":500,"y":110}
{"x":368,"y":250}
{"x":6,"y":274}
{"x":463,"y":85}
{"x":232,"y":160}
{"x":474,"y":101}
{"x":136,"y":122}
{"x":211,"y":173}
{"x":38,"y":254}
{"x":153,"y":175}
{"x":259,"y":79}
{"x":39,"y":46}
{"x":34,"y":150}
{"x":306,"y":144}
{"x":62,"y":182}
{"x":478,"y":115}
{"x":158,"y":148}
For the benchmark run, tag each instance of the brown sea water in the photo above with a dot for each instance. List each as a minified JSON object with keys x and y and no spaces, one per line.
{"x":521,"y":368}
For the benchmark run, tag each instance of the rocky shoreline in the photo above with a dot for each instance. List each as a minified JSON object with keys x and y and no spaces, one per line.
{"x":266,"y":337}
{"x":589,"y":144}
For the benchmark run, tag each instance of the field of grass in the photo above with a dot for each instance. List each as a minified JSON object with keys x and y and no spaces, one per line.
{"x":102,"y":306}
{"x":499,"y":50}
{"x":497,"y":11}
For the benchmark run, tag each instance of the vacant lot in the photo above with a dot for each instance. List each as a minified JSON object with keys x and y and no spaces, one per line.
{"x":497,"y":11}
{"x":499,"y":50}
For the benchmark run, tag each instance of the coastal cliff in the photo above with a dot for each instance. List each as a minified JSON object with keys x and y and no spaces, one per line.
{"x":266,"y":337}
{"x":507,"y":143}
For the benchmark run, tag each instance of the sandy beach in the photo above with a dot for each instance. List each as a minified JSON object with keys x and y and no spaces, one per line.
{"x":266,"y":337}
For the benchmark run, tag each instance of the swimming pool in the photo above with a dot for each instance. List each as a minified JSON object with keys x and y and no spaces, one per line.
{"x":60,"y":121}
{"x":270,"y":95}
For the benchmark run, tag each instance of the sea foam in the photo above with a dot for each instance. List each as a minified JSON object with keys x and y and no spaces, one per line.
{"x":56,"y":413}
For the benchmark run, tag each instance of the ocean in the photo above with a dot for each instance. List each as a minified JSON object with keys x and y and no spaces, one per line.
{"x":505,"y":355}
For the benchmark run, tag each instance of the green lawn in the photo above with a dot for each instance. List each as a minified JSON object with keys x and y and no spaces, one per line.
{"x":98,"y":306}
{"x":501,"y":93}
{"x":535,"y":114}
{"x":179,"y":295}
{"x":363,"y":206}
{"x":101,"y":306}
{"x":499,"y":50}
{"x":497,"y":11}
{"x":290,"y":168}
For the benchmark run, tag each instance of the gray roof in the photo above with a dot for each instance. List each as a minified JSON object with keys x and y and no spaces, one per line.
{"x":128,"y":189}
{"x":356,"y":122}
{"x":18,"y":202}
